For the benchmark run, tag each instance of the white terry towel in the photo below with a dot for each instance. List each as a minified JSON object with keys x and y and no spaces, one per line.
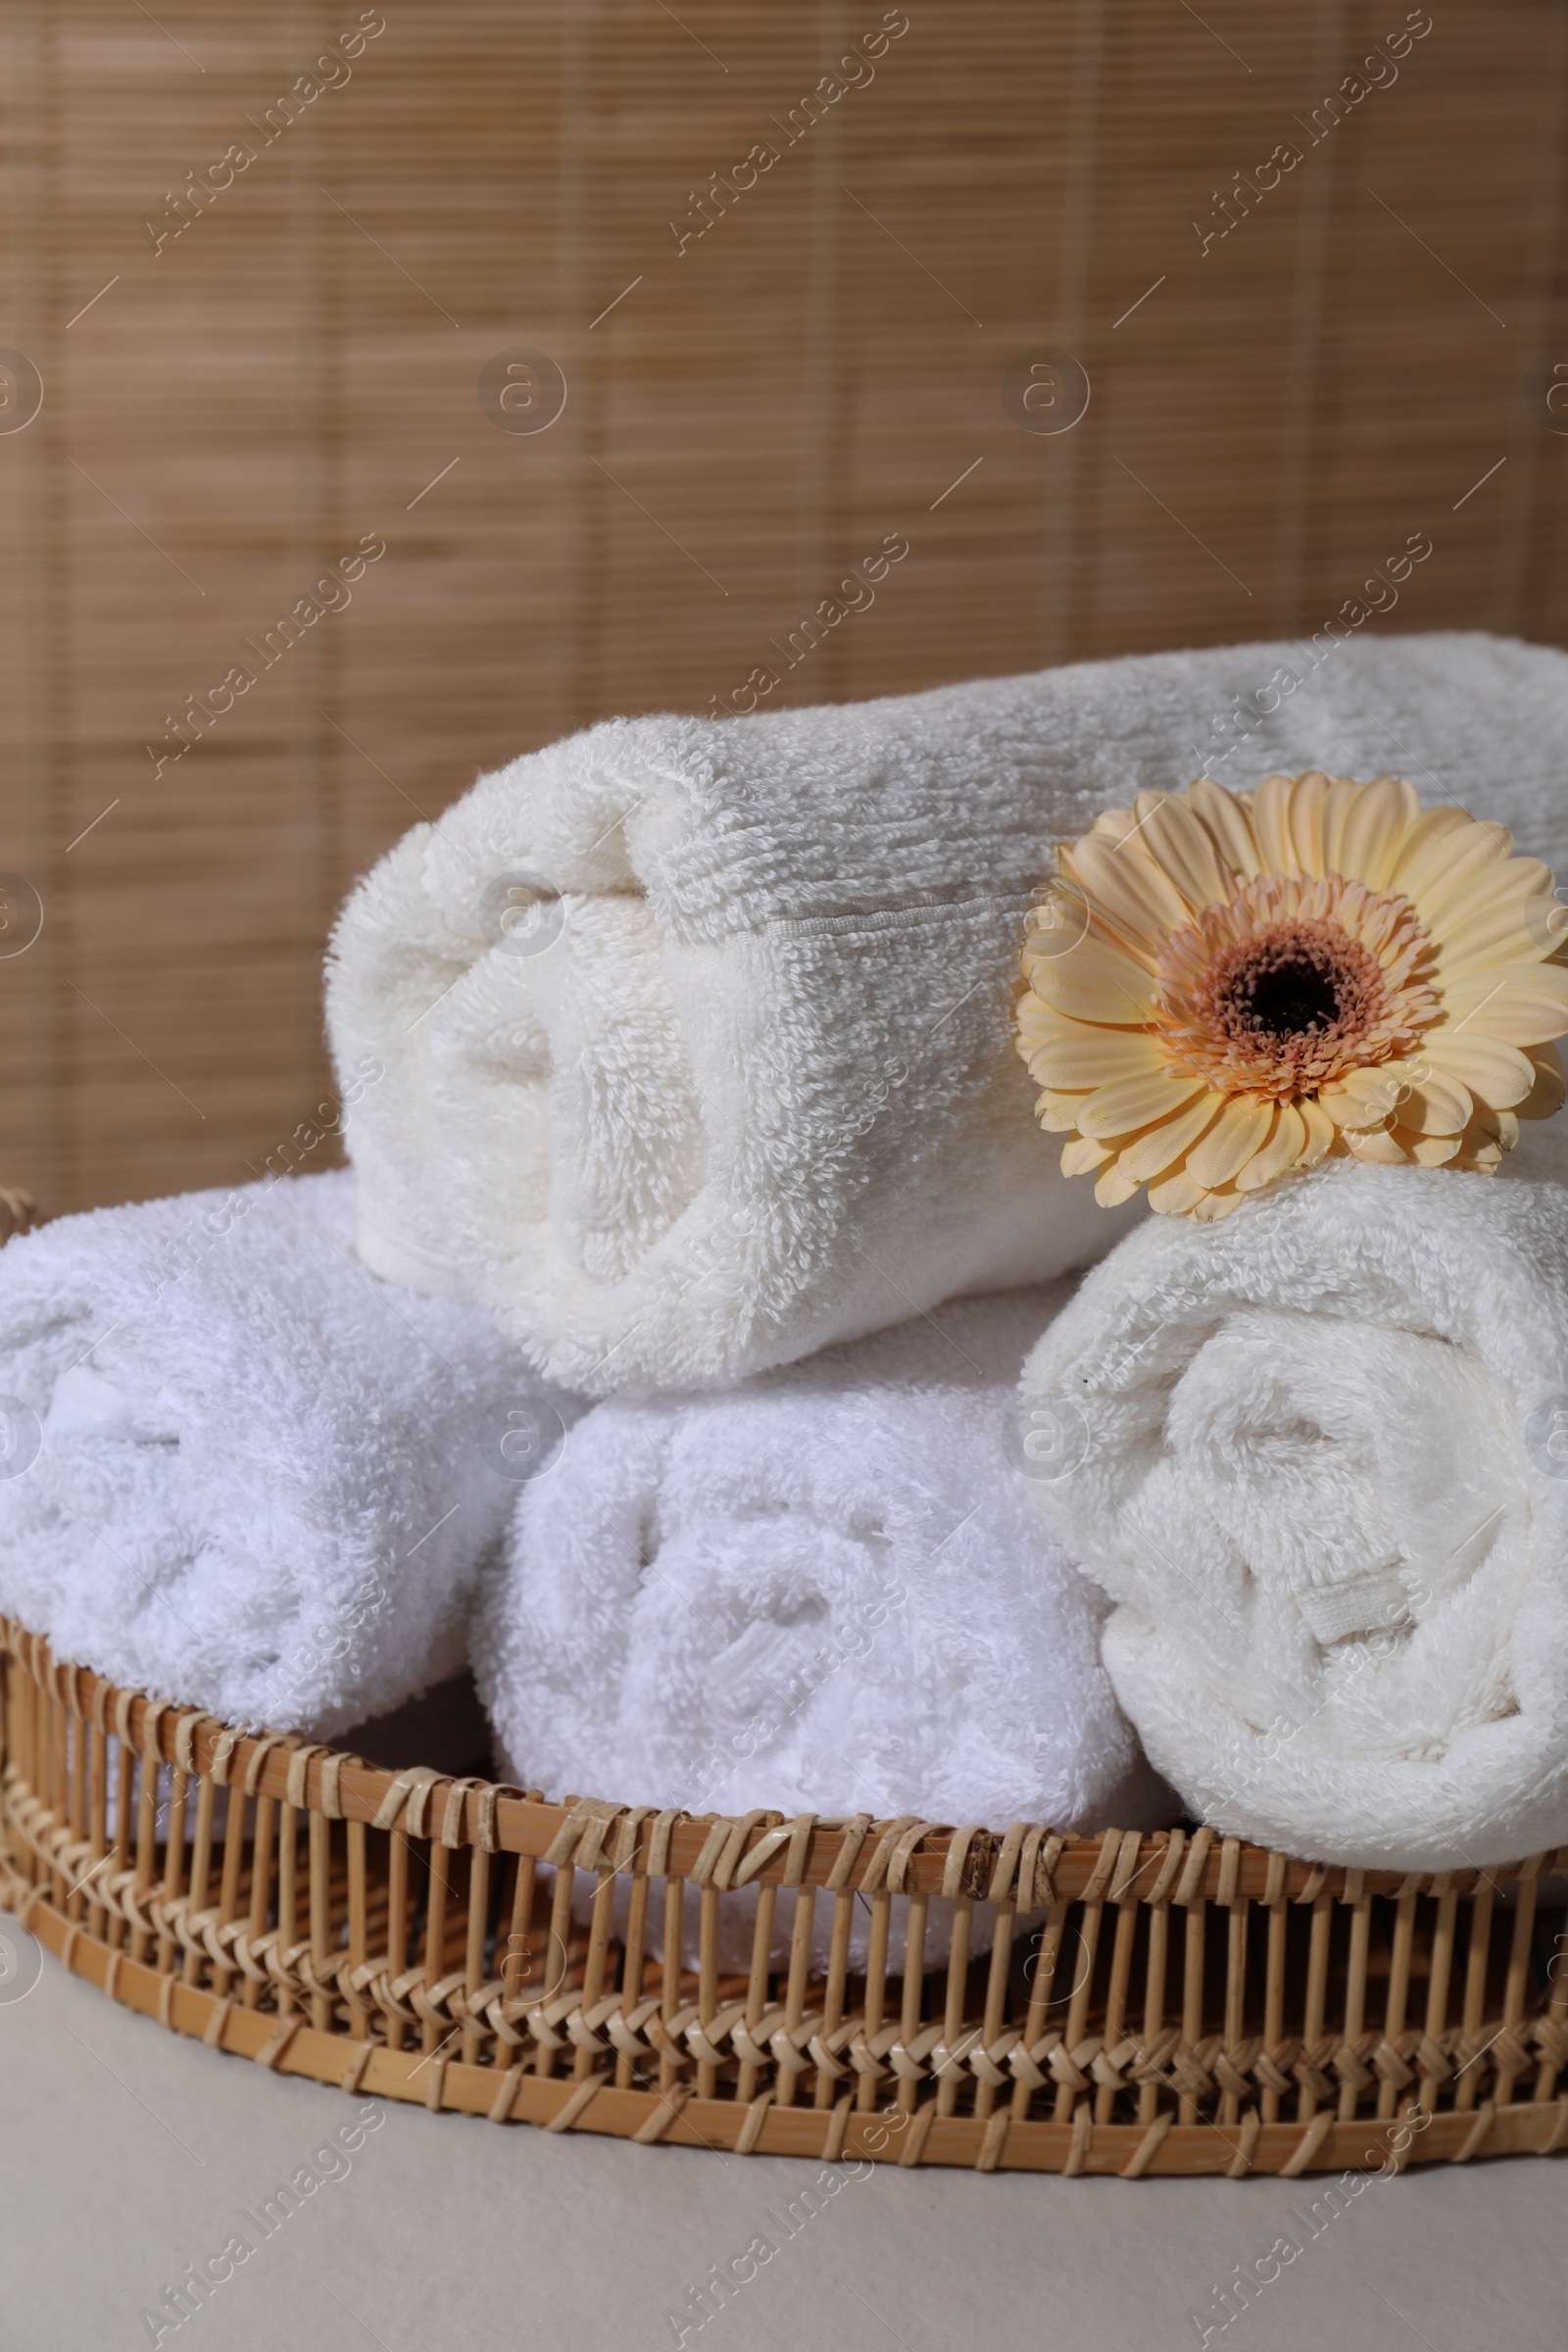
{"x":1318,"y":1457}
{"x":698,"y":1034}
{"x":238,"y":1470}
{"x":824,"y":1592}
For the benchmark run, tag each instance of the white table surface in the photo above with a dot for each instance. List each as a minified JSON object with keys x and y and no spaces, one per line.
{"x":127,"y":2151}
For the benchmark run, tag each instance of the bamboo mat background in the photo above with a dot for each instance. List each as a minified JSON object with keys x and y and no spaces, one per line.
{"x":746,"y":415}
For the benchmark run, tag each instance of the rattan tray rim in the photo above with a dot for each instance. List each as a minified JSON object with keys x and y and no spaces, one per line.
{"x":941,"y":1859}
{"x":303,"y":2015}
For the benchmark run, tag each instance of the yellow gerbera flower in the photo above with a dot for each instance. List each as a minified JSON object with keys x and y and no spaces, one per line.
{"x":1223,"y":987}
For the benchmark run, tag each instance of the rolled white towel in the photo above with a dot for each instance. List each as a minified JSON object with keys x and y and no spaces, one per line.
{"x":1318,"y":1457}
{"x":697,"y":1033}
{"x":237,"y":1469}
{"x":824,"y":1592}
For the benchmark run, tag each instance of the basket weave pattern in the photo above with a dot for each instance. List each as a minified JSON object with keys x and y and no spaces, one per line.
{"x":1180,"y":2003}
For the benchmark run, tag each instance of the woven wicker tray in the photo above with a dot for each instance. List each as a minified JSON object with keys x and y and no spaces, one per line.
{"x":1179,"y":2004}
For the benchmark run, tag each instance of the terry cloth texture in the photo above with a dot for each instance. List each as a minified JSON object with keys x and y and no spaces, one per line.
{"x":1318,"y":1457}
{"x":698,"y":1034}
{"x":825,"y":1592}
{"x":240,"y":1471}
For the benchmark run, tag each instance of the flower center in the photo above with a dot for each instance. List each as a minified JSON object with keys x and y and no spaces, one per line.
{"x":1294,"y":980}
{"x":1297,"y":993}
{"x":1291,"y":985}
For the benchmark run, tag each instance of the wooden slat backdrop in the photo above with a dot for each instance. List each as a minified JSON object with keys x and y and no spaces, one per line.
{"x":756,"y":411}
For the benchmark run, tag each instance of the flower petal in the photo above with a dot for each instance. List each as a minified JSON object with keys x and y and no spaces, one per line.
{"x":1278,"y":1155}
{"x":1321,"y":1133}
{"x":1271,"y":822}
{"x":1491,"y":943}
{"x":1474,"y":880}
{"x":1375,"y":828}
{"x":1161,"y":1146}
{"x":1307,"y":802}
{"x":1213,"y":1206}
{"x":1370,"y":1093}
{"x":1525,"y":1004}
{"x":1134,"y":1102}
{"x":1241,"y":1129}
{"x":1058,"y":1113}
{"x":1444,"y":849}
{"x":1353,"y":1107}
{"x":1344,"y":797}
{"x":1428,"y":1150}
{"x":1546,"y":1094}
{"x":1096,"y":981}
{"x":1127,"y":886}
{"x":1175,"y":1195}
{"x":1036,"y":1022}
{"x":1376,"y":1143}
{"x":1434,"y":1105}
{"x":1499,"y":1075}
{"x":1084,"y":1154}
{"x":1452,"y":898}
{"x":1412,"y":1089}
{"x":1113,"y":1185}
{"x":1079,"y":1055}
{"x":1513,"y":900}
{"x":1230,"y":824}
{"x":1181,"y":843}
{"x":1485,"y":1141}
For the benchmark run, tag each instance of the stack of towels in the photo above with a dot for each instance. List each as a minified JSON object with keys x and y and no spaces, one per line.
{"x":659,"y":1352}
